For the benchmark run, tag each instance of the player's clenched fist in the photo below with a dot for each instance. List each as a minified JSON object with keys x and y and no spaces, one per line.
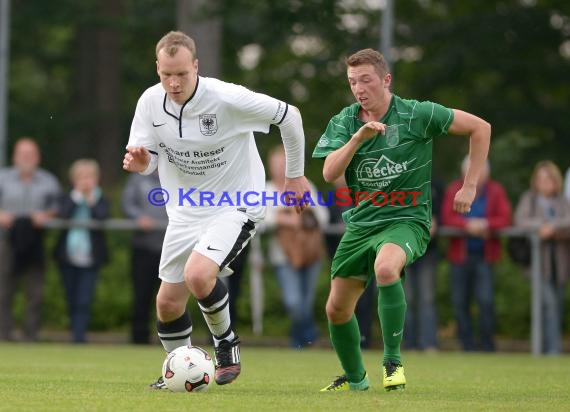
{"x":136,"y":159}
{"x":370,"y":130}
{"x":463,"y":199}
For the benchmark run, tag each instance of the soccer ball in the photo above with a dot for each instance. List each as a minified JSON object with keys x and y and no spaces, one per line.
{"x":188,"y":369}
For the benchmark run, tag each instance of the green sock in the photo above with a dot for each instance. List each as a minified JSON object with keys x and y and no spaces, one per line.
{"x":392,"y":314}
{"x":345,"y":339}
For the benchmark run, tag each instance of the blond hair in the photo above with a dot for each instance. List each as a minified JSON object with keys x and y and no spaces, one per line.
{"x":552,"y":170}
{"x":173,"y":40}
{"x":83,"y":163}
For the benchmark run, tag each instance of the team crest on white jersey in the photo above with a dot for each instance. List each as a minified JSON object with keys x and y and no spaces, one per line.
{"x":208,"y":124}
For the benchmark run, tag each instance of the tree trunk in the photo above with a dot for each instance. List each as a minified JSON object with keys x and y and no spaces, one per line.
{"x":95,"y":128}
{"x":109,"y":140}
{"x":78,"y":139}
{"x":194,"y":19}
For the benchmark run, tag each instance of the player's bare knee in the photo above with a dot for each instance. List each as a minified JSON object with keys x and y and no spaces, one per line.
{"x":330,"y":310}
{"x":199,"y":283}
{"x":385,"y":274}
{"x":168,"y":309}
{"x":337,"y":314}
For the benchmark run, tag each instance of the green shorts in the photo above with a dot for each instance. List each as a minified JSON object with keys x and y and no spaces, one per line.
{"x":357,"y":250}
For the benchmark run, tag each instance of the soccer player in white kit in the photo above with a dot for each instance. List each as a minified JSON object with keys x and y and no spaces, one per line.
{"x":199,"y":132}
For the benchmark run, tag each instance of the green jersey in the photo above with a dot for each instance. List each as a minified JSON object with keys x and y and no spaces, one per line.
{"x":389,"y":177}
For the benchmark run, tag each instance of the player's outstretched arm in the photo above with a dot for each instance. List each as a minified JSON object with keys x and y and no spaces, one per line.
{"x":136,"y":159}
{"x":294,"y":143}
{"x":479,"y":133}
{"x":293,"y":137}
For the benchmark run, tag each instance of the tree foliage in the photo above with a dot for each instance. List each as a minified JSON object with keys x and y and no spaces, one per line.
{"x":75,"y":78}
{"x":507,"y":61}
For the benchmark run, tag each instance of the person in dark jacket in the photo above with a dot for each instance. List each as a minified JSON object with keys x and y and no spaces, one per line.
{"x":472,"y":256}
{"x":28,"y":198}
{"x":80,"y":252}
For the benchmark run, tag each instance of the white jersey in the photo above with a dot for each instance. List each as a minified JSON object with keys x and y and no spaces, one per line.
{"x":207,"y":156}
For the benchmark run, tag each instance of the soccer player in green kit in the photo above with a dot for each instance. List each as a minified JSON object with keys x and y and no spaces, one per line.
{"x":383,"y":146}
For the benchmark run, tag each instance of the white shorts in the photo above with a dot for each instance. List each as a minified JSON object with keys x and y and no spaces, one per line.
{"x":220,"y":238}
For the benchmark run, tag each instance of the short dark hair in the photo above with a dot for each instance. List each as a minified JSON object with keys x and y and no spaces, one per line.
{"x":369,"y":56}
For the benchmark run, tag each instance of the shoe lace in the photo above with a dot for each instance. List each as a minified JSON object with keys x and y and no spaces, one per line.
{"x":391,"y":367}
{"x":339,"y":381}
{"x":224,"y":353}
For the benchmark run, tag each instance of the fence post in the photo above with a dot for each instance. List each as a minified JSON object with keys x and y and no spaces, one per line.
{"x":536,"y":291}
{"x":256,"y":285}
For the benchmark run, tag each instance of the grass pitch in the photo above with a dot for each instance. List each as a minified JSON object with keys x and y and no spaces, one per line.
{"x":60,"y":377}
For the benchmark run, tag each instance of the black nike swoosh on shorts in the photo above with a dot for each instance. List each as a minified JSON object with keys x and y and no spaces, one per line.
{"x":211,"y":248}
{"x":158,"y":125}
